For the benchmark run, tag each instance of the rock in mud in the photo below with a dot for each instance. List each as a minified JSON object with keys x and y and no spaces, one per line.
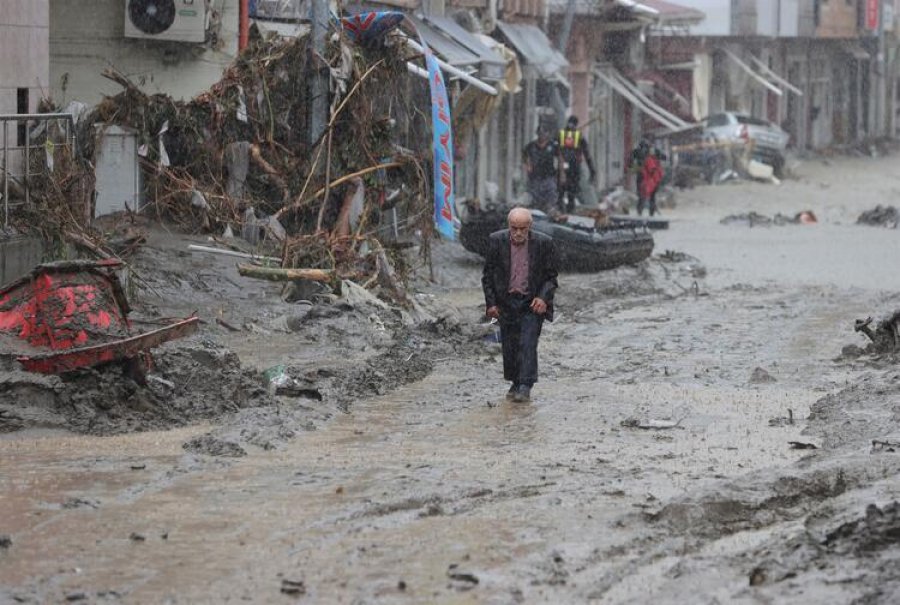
{"x":761,"y":376}
{"x":213,"y":446}
{"x":294,"y":588}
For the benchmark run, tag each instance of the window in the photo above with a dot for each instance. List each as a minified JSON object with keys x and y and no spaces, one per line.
{"x":21,"y":107}
{"x":720,"y":119}
{"x":751,"y":121}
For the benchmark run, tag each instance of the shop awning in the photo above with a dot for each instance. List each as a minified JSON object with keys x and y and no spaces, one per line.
{"x":856,"y":51}
{"x":492,"y":64}
{"x":535,"y":48}
{"x":660,"y":12}
{"x":449,"y":50}
{"x":633,"y":95}
{"x":769,"y":73}
{"x":452,"y":57}
{"x":751,"y":72}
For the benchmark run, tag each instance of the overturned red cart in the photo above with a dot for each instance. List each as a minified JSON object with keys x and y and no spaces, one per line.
{"x":74,"y":314}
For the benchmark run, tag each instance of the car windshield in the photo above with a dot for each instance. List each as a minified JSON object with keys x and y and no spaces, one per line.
{"x":751,"y":121}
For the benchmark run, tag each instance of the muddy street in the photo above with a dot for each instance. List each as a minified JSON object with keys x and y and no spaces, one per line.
{"x":655,"y":462}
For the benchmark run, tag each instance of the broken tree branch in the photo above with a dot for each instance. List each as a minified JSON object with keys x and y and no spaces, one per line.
{"x":335,"y":183}
{"x":275,"y":274}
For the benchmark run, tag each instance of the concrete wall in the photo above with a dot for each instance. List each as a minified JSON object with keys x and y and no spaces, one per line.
{"x":86,"y":37}
{"x":24,"y":57}
{"x":18,"y":256}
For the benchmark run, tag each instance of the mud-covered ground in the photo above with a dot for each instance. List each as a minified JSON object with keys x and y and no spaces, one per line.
{"x":696,"y":436}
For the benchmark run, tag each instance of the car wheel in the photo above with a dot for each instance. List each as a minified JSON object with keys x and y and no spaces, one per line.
{"x":778,"y":166}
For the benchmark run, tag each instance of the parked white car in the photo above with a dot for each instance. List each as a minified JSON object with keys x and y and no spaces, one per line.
{"x":769,"y":141}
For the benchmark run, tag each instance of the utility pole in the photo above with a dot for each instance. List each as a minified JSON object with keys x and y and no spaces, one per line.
{"x":881,"y":76}
{"x":318,"y":87}
{"x":566,"y":32}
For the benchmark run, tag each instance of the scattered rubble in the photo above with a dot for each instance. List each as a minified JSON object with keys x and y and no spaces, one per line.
{"x":883,"y":339}
{"x":754,"y":219}
{"x":880,"y":216}
{"x":212,"y":446}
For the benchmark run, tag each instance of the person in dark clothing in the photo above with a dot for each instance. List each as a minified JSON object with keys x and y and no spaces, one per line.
{"x":519,"y":282}
{"x":539,"y":158}
{"x":573,"y":150}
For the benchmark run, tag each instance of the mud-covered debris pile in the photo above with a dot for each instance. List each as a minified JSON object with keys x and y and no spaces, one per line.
{"x":241,"y":154}
{"x":880,"y":216}
{"x":883,"y":336}
{"x":754,"y":219}
{"x":192,"y":380}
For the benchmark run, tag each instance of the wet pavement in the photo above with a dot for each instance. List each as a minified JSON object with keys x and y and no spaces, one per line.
{"x":442,"y":492}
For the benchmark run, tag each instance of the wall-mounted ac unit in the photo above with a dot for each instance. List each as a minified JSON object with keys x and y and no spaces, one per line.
{"x":173,"y":20}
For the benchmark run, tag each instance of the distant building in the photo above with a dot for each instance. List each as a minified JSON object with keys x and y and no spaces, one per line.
{"x":807,"y":65}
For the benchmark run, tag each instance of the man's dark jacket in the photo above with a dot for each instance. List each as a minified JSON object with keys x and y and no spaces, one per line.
{"x":541,"y":270}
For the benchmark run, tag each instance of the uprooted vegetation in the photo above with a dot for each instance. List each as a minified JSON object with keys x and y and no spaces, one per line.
{"x":241,"y":156}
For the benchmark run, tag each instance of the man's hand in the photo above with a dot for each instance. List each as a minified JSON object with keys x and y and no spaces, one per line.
{"x":538,"y":306}
{"x":493,"y":312}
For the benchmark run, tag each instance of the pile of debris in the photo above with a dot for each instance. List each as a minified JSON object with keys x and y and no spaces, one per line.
{"x":880,"y":216}
{"x":240,"y":158}
{"x":754,"y":219}
{"x":884,"y":338}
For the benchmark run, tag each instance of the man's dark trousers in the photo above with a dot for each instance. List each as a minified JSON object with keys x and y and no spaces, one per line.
{"x":520,"y":329}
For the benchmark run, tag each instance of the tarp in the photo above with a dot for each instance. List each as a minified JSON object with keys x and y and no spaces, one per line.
{"x":535,"y":47}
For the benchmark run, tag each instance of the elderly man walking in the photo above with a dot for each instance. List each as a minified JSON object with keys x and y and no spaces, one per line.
{"x":519,"y":282}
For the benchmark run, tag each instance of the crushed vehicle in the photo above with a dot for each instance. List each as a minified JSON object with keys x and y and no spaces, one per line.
{"x":768,"y":140}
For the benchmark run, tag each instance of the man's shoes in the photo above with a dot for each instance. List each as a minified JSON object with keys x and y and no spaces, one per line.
{"x":522,"y":394}
{"x":511,"y":393}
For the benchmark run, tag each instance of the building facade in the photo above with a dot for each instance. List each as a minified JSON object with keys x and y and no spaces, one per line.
{"x":25,"y":68}
{"x":86,"y":38}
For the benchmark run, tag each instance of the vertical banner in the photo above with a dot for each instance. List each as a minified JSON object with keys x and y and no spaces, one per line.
{"x":872,"y":14}
{"x":365,"y":28}
{"x":444,"y":206}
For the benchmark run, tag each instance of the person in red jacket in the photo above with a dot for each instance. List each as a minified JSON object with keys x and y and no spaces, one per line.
{"x":646,"y":161}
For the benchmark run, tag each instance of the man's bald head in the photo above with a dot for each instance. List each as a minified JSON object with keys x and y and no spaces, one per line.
{"x":519,"y":220}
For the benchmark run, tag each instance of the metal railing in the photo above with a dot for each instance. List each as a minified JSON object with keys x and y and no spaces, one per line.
{"x":16,"y":159}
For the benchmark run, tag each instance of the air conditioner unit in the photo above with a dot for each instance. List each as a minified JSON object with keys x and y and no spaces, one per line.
{"x":173,"y":20}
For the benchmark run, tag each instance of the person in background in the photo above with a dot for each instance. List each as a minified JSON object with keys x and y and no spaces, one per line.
{"x":573,"y":151}
{"x":519,"y":282}
{"x":646,"y":163}
{"x":539,"y":160}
